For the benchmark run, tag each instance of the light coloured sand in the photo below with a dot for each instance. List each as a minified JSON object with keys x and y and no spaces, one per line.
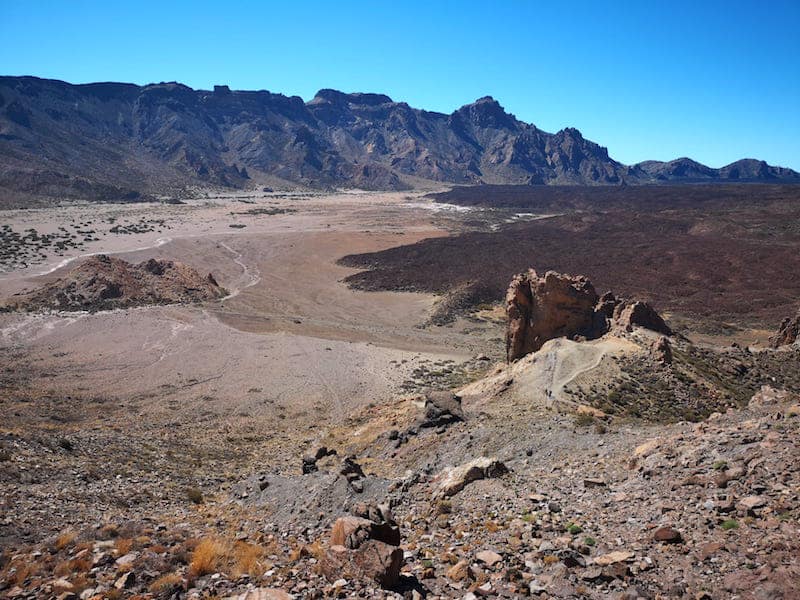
{"x":290,"y":334}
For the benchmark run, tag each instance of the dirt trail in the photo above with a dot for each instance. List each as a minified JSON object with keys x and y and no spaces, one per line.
{"x":540,"y":378}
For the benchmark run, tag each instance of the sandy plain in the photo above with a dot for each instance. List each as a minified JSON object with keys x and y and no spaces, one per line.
{"x":289,"y":328}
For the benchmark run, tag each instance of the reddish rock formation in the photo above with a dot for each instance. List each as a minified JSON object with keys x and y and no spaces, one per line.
{"x":788,"y":333}
{"x":373,"y":560}
{"x":542,"y":308}
{"x":103,"y":282}
{"x":641,"y":314}
{"x":662,"y":350}
{"x":557,"y":305}
{"x":365,"y":546}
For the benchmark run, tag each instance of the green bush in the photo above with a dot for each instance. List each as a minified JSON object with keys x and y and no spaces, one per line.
{"x":195,"y":495}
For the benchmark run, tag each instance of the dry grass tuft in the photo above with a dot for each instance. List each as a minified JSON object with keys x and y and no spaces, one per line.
{"x":166,"y":582}
{"x":22,"y":572}
{"x":65,"y":539}
{"x":123,"y":546}
{"x":248,"y":559}
{"x":206,"y":557}
{"x":107,"y":532}
{"x":239,"y":558}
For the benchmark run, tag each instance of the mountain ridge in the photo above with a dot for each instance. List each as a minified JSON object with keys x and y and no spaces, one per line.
{"x":122,"y":141}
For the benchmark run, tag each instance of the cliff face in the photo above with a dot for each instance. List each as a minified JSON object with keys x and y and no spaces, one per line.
{"x":115,"y":141}
{"x":554,"y":305}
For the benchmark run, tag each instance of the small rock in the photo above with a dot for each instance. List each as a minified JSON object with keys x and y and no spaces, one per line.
{"x":593,"y":483}
{"x":263,"y":594}
{"x":125,"y":581}
{"x":750,"y":503}
{"x":613,"y":557}
{"x":459,"y":571}
{"x":667,"y":535}
{"x":488,"y":557}
{"x":456,"y":479}
{"x":127,"y":559}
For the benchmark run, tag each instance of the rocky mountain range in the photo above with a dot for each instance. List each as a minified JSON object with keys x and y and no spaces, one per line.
{"x":118,"y":141}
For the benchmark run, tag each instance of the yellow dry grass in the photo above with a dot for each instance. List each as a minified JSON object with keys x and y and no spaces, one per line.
{"x":122,"y":546}
{"x":234,"y":558}
{"x":67,"y":538}
{"x":205,"y":557}
{"x":165,"y":581}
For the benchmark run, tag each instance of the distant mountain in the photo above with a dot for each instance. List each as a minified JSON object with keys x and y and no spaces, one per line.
{"x":687,"y":170}
{"x":116,"y":141}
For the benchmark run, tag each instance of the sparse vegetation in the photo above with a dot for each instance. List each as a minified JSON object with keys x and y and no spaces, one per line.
{"x":584,"y":420}
{"x":195,"y":495}
{"x":166,"y":583}
{"x":65,"y":539}
{"x":573,"y":528}
{"x":444,"y":507}
{"x":238,"y":558}
{"x":729,"y":524}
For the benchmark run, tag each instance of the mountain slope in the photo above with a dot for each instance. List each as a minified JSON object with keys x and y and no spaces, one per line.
{"x":116,"y":141}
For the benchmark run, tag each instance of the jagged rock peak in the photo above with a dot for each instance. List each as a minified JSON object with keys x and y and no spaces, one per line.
{"x":337,"y":97}
{"x":788,"y":333}
{"x":487,"y":112}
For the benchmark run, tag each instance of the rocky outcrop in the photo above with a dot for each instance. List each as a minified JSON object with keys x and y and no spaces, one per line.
{"x":662,"y":350}
{"x":541,"y":308}
{"x":628,"y":315}
{"x":103,"y":282}
{"x":364,"y":546}
{"x":456,"y":479}
{"x":788,"y":333}
{"x":441,"y":408}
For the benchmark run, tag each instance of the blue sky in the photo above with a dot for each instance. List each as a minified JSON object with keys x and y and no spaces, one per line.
{"x":715,"y":81}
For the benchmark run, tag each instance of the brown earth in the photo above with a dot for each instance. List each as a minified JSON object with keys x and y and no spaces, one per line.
{"x":161,"y":451}
{"x":719,"y":254}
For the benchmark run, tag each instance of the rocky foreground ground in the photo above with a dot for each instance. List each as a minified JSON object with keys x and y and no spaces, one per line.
{"x":538,"y":479}
{"x":706,"y":510}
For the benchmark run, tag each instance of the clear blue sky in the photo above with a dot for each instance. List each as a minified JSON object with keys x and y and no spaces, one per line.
{"x":715,"y":81}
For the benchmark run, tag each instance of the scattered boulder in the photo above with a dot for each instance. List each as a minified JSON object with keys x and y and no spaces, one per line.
{"x":788,"y":333}
{"x":125,"y":581}
{"x":456,"y":479}
{"x":768,"y":395}
{"x":613,"y":557}
{"x":459,"y":571}
{"x":667,"y":535}
{"x":309,"y":465}
{"x":363,"y":548}
{"x":750,"y":503}
{"x":353,"y":473}
{"x":441,"y":408}
{"x":662,"y":350}
{"x":310,"y":460}
{"x":352,"y":531}
{"x":488,"y":557}
{"x":262,"y":594}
